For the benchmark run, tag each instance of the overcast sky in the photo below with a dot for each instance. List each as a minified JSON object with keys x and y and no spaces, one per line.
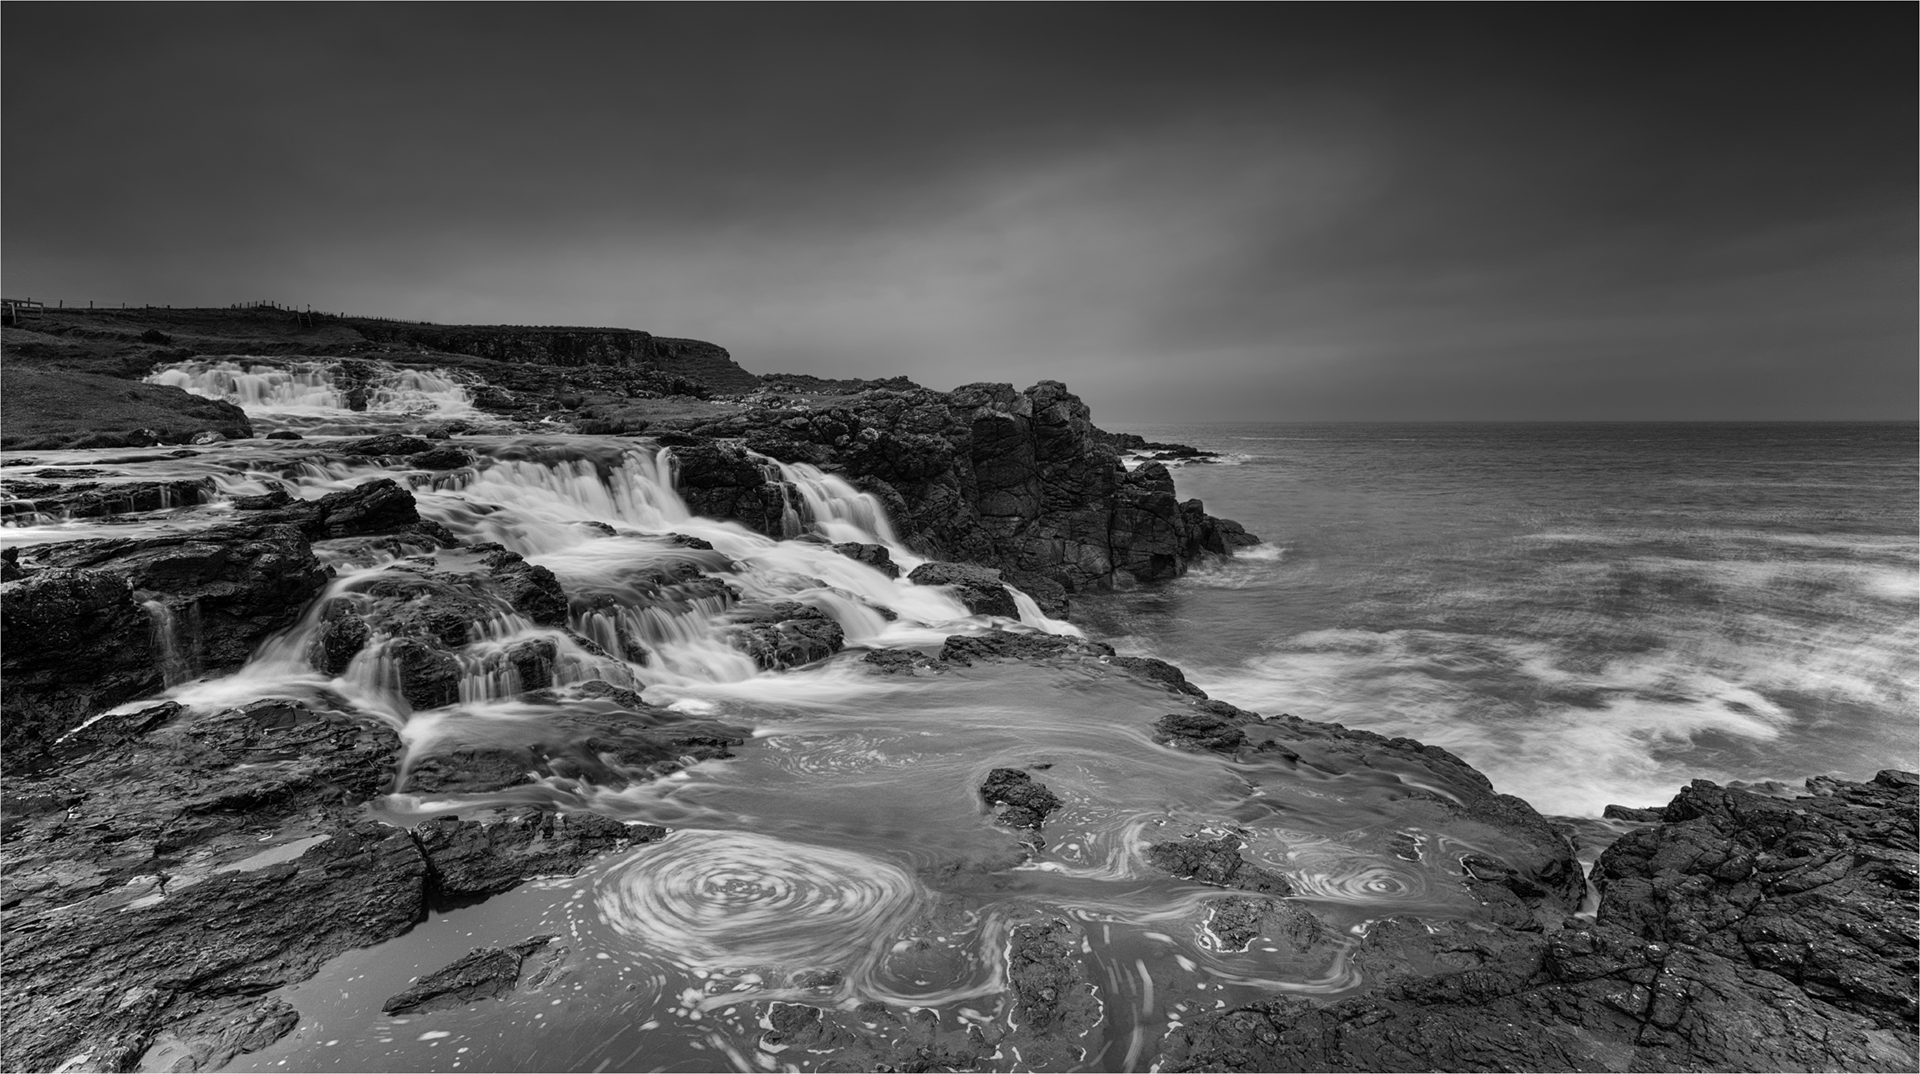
{"x":1184,"y":212}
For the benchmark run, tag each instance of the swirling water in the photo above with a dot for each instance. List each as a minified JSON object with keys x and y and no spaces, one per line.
{"x":1588,"y":639}
{"x":1589,"y":613}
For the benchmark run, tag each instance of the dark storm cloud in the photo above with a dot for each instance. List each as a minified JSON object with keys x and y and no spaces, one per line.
{"x":1183,"y":211}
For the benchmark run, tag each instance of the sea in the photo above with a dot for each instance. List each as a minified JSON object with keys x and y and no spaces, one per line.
{"x":1589,"y":614}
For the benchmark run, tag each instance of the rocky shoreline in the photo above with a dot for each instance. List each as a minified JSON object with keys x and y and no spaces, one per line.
{"x":163,"y":868}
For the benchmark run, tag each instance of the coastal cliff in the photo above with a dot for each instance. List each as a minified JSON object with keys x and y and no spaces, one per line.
{"x":170,"y":866}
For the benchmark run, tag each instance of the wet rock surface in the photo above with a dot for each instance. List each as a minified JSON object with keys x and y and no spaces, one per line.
{"x":1017,"y":799}
{"x":470,"y":857}
{"x":964,"y":649}
{"x":984,"y":474}
{"x":1743,"y":932}
{"x":979,"y":588}
{"x":483,"y":973}
{"x":1216,"y":862}
{"x":608,"y":744}
{"x":786,"y":634}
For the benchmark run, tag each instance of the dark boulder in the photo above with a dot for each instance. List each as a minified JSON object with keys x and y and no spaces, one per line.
{"x":532,"y":590}
{"x":1201,"y":731}
{"x":877,"y":556}
{"x":387,"y":444}
{"x":610,"y":741}
{"x":444,"y":457}
{"x":786,"y":634}
{"x":482,"y":973}
{"x":1217,"y":862}
{"x":979,"y":588}
{"x":1159,"y":671}
{"x":964,"y":649}
{"x":471,"y":858}
{"x":1017,"y":800}
{"x":76,"y":643}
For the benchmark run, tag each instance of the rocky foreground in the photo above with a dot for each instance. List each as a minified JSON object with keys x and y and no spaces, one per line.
{"x":162,"y":869}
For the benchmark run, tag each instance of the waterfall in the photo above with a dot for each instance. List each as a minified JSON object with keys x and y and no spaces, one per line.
{"x":172,"y":650}
{"x":319,"y":388}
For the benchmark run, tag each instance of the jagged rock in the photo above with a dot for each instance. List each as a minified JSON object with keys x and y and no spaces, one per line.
{"x":979,"y":588}
{"x":387,"y":444}
{"x":877,"y":556}
{"x":441,"y":458}
{"x":984,"y":474}
{"x":899,"y":661}
{"x":532,"y":590}
{"x":722,"y":481}
{"x":1641,"y":816}
{"x":964,"y":649}
{"x":1159,"y":671}
{"x":482,"y":973}
{"x":609,"y":741}
{"x":91,"y":500}
{"x":1217,"y":862}
{"x":471,"y":858}
{"x":109,"y":980}
{"x":1025,"y":802}
{"x":78,"y":639}
{"x":76,"y":643}
{"x":1054,"y":1003}
{"x":786,"y":634}
{"x":342,"y":634}
{"x":1741,"y":932}
{"x":1201,"y":731}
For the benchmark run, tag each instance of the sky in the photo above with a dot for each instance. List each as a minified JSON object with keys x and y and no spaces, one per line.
{"x":1185,"y":212}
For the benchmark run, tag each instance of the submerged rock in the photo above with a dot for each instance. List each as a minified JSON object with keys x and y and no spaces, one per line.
{"x":482,"y":973}
{"x":469,"y":857}
{"x":1023,"y":802}
{"x":964,"y":649}
{"x":1216,"y":862}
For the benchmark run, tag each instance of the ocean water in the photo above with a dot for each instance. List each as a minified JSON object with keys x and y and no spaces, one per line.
{"x":1589,"y":613}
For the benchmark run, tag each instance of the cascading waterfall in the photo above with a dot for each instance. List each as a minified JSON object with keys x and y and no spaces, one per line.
{"x":318,"y":389}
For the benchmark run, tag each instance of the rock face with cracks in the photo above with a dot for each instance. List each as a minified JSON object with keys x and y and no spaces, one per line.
{"x":1742,"y":932}
{"x":1017,"y":480}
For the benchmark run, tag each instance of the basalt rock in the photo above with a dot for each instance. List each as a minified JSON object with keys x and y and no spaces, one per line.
{"x":1216,"y":862}
{"x":1159,"y":671}
{"x":145,"y":910}
{"x":469,"y":857}
{"x":76,"y":643}
{"x":1741,"y":932}
{"x":79,"y":640}
{"x":610,"y":742}
{"x":387,"y":444}
{"x":876,"y":556}
{"x":786,"y":635}
{"x":979,"y":588}
{"x":482,"y":973}
{"x":983,"y":474}
{"x":1018,"y":800}
{"x":964,"y":649}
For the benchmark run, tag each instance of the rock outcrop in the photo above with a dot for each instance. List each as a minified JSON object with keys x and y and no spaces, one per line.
{"x":983,"y":474}
{"x":1742,"y":932}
